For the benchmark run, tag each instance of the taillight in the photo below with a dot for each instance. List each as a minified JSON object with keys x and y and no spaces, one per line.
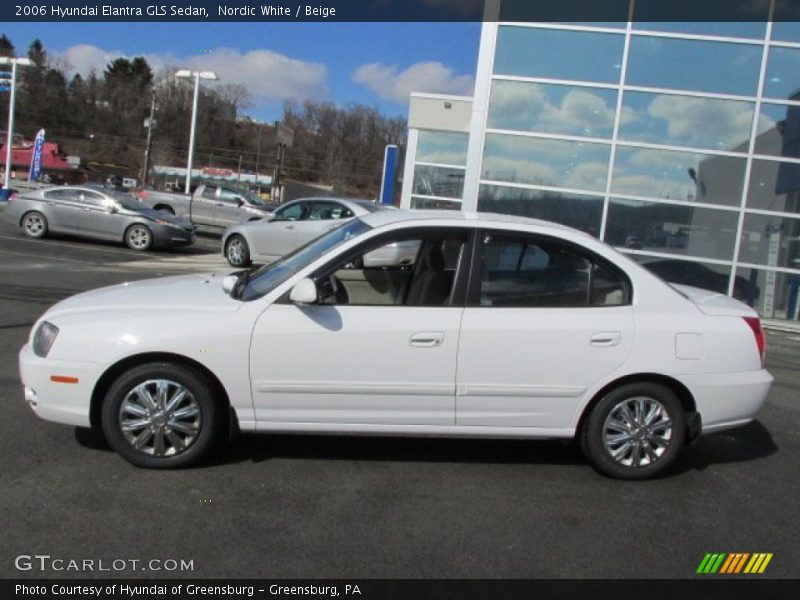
{"x":142,"y":194}
{"x":755,"y":325}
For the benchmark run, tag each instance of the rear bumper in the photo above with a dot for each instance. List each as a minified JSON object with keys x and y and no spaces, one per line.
{"x":67,"y":403}
{"x":728,"y":400}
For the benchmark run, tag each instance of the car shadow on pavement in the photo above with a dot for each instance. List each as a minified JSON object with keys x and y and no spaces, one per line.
{"x":748,"y":443}
{"x":743,"y":444}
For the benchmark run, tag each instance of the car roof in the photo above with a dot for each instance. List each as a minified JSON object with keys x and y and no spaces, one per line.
{"x":468,"y":219}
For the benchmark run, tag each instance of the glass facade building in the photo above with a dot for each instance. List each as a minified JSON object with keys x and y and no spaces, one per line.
{"x":677,"y":143}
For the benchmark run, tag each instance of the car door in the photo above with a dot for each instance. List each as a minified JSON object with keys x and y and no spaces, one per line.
{"x":204,"y":206}
{"x":278,"y":237}
{"x":545,"y":322}
{"x":322,"y":216}
{"x":97,"y":219}
{"x":229,"y":208}
{"x":384,"y":354}
{"x":63,"y":209}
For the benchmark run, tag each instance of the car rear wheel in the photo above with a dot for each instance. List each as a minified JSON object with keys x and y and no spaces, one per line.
{"x":161,"y":416}
{"x":237,"y":251}
{"x":34,"y":225}
{"x":139,"y":237}
{"x":635,"y":432}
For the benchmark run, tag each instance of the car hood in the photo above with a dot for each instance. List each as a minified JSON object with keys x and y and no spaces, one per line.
{"x":180,"y":294}
{"x":161,"y":215}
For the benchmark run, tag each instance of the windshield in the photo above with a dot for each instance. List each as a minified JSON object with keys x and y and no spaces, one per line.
{"x":126,"y":200}
{"x":253,"y":198}
{"x":268,"y":277}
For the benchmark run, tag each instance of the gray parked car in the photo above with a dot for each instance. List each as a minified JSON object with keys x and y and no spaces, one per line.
{"x":97,"y":212}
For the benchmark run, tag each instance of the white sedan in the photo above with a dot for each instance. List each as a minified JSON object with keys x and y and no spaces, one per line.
{"x":499,"y":327}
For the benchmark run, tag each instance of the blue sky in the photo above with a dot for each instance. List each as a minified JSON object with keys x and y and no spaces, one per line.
{"x":372,"y":63}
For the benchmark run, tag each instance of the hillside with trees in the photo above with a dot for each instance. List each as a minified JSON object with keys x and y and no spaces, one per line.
{"x":101,"y":117}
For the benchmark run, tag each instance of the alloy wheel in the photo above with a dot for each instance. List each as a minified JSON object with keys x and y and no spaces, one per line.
{"x":637,"y":431}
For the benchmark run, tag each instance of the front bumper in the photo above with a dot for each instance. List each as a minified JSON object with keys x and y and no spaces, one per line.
{"x":728,"y":400}
{"x":62,"y":400}
{"x":171,"y":236}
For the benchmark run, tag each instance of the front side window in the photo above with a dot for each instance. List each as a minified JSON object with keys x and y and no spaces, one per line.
{"x":327,"y":211}
{"x":412,"y":269}
{"x":94,"y":199}
{"x":230,"y":196}
{"x":293,"y":212}
{"x":539,"y":272}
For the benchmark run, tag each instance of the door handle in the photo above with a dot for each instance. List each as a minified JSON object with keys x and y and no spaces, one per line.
{"x":87,"y":209}
{"x":289,"y":226}
{"x":52,"y":203}
{"x":605,"y":339}
{"x":427,"y":339}
{"x":219,"y":203}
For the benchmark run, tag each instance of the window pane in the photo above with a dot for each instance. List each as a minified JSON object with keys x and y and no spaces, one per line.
{"x":686,"y":121}
{"x":678,"y":176}
{"x":787,"y":31}
{"x":533,"y":274}
{"x":546,"y":108}
{"x":777,"y":292}
{"x":694,"y":65}
{"x":774,"y":186}
{"x":742,"y":29}
{"x":434,"y":204}
{"x":688,"y":230}
{"x":771,"y":241}
{"x":558,"y":54}
{"x":706,"y":276}
{"x":783,"y":74}
{"x":559,"y":163}
{"x":574,"y":210}
{"x":779,"y":130}
{"x":438,"y":181}
{"x":444,"y":148}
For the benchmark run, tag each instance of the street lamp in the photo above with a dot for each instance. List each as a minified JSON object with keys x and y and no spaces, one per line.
{"x":197,"y":76}
{"x":25,"y":62}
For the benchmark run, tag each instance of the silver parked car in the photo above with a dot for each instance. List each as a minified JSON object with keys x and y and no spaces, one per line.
{"x":297,"y":223}
{"x":97,"y":212}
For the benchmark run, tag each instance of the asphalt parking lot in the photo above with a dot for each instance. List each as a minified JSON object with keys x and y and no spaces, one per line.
{"x":318,"y":507}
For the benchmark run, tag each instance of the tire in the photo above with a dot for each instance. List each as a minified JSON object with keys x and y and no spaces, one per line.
{"x":34,"y":225}
{"x":139,"y":237}
{"x":617,"y":425}
{"x":160,"y":436}
{"x":237,"y":251}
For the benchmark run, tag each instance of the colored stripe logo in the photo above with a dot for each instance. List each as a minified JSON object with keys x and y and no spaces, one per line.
{"x":734,"y":563}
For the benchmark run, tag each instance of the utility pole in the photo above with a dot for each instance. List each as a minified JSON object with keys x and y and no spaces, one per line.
{"x":150,"y":122}
{"x":24,"y":62}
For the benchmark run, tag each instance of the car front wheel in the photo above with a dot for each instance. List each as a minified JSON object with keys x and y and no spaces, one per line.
{"x":635,"y":432}
{"x":139,"y":237}
{"x":161,"y":416}
{"x":237,"y":251}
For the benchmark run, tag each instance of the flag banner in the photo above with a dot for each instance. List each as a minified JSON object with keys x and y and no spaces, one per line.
{"x":36,"y":157}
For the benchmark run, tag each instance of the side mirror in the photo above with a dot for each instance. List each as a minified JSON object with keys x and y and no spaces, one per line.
{"x":229,"y":283}
{"x":240,"y":203}
{"x":305,"y":292}
{"x":113,"y":209}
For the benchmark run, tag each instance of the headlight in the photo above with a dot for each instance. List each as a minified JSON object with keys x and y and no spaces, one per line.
{"x":43,"y":338}
{"x":167,"y":223}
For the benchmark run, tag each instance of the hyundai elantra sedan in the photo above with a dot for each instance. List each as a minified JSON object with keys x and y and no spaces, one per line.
{"x":499,"y":327}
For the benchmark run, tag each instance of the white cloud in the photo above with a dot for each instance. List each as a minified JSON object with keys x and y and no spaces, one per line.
{"x":268,"y":75}
{"x":389,"y":83}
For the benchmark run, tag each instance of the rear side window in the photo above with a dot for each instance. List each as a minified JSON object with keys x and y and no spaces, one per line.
{"x":210,"y":192}
{"x":539,"y":272}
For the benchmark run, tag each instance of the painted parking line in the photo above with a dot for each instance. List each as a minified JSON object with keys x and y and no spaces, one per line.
{"x":58,"y":258}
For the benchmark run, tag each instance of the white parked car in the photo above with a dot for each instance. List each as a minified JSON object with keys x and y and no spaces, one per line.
{"x":297,"y":223}
{"x":500,"y":327}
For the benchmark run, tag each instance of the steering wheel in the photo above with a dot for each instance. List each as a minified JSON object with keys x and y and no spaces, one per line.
{"x":332,"y":291}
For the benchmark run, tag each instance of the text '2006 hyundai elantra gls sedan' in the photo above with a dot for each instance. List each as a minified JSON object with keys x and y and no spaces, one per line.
{"x":500,"y":327}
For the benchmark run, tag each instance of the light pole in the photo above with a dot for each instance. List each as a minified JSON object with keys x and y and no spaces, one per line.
{"x":197,"y":76}
{"x":25,"y":62}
